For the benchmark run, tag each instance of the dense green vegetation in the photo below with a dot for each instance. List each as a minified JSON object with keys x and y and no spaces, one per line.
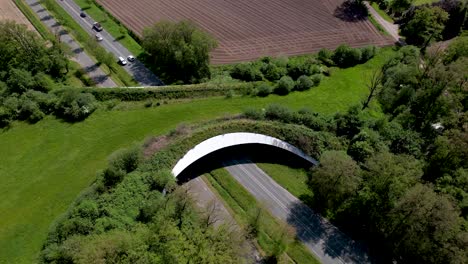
{"x":68,"y":155}
{"x":126,"y":201}
{"x":423,"y":22}
{"x":272,"y":236}
{"x":400,"y":180}
{"x":179,"y":51}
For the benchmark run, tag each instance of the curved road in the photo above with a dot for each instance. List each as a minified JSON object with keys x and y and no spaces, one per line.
{"x":140,"y":73}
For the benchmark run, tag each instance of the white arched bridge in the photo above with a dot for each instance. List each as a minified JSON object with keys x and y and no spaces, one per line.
{"x":234,"y":139}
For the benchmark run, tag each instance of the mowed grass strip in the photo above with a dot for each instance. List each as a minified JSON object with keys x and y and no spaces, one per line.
{"x":242,"y":203}
{"x":292,"y":179}
{"x":45,"y":166}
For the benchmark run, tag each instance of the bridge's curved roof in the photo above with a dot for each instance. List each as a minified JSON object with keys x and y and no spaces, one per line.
{"x":233,"y":139}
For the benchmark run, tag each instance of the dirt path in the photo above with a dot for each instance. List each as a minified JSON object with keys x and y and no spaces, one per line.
{"x":9,"y":11}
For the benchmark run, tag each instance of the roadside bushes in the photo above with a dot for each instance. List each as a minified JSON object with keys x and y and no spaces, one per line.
{"x":120,"y":163}
{"x":344,"y":56}
{"x":304,"y":83}
{"x":74,"y":106}
{"x":248,"y":72}
{"x":285,"y":85}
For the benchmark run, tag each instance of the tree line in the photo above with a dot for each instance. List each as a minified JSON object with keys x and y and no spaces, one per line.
{"x":399,"y":182}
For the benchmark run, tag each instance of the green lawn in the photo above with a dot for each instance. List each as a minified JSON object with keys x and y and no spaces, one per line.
{"x":241,"y":203}
{"x":292,"y":179}
{"x":45,"y":166}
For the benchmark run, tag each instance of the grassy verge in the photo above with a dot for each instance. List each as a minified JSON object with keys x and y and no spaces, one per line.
{"x":292,"y":179}
{"x":35,"y":21}
{"x":44,"y":166}
{"x":71,"y":78}
{"x":382,"y":13}
{"x":119,"y":75}
{"x":377,"y":25}
{"x":242,"y":204}
{"x":112,"y":25}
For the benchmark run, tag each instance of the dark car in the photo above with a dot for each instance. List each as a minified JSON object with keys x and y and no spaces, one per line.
{"x":82,"y":14}
{"x":97,"y":26}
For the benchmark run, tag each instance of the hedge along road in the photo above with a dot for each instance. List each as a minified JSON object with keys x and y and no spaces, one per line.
{"x":140,"y":73}
{"x":89,"y":66}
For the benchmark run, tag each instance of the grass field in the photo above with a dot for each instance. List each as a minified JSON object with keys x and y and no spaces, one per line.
{"x":240,"y":202}
{"x":422,"y":2}
{"x":45,"y":166}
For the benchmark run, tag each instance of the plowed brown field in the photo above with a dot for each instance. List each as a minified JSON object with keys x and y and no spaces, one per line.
{"x":249,"y":29}
{"x":9,"y":11}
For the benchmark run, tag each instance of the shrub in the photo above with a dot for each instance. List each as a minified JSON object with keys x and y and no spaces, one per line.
{"x":285,"y":85}
{"x":263,"y":90}
{"x":316,"y":79}
{"x":368,"y":53}
{"x":325,"y":56}
{"x":247,"y":72}
{"x":125,"y":159}
{"x":297,"y":68}
{"x":74,"y":106}
{"x":278,"y":112}
{"x":345,"y":56}
{"x":29,"y":110}
{"x":254,"y":113}
{"x":304,"y":83}
{"x":272,"y":72}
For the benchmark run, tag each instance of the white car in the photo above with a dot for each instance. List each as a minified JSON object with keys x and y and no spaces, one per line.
{"x":99,"y":37}
{"x":122,"y":61}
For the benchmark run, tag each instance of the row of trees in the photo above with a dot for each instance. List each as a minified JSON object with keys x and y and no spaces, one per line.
{"x":399,"y":181}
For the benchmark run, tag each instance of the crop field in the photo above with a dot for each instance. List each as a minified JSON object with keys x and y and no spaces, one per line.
{"x":9,"y":11}
{"x":247,"y":29}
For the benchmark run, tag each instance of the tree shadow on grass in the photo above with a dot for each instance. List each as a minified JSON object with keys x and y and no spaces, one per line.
{"x":351,"y":11}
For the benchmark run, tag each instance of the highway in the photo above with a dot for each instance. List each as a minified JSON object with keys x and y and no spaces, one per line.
{"x":88,"y":65}
{"x":322,"y":238}
{"x":136,"y":69}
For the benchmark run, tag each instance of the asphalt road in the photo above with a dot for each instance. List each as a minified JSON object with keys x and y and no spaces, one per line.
{"x":318,"y":235}
{"x":140,"y":73}
{"x":90,"y":66}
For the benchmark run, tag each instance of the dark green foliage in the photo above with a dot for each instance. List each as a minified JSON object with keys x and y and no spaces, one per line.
{"x":457,"y":49}
{"x":325,"y":56}
{"x":179,"y":51}
{"x":368,"y":53}
{"x":304,"y":83}
{"x":248,"y":72}
{"x":316,"y":79}
{"x":425,"y":26}
{"x":165,"y":92}
{"x":345,"y":56}
{"x":285,"y":85}
{"x":272,"y":71}
{"x":263,"y":90}
{"x":74,"y":106}
{"x":350,"y":123}
{"x":297,"y":68}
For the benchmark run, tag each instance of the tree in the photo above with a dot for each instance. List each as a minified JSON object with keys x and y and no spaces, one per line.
{"x":424,"y":227}
{"x":345,"y":56}
{"x":334,"y":180}
{"x":373,"y":84}
{"x":425,"y":26}
{"x":399,"y":6}
{"x":179,"y":51}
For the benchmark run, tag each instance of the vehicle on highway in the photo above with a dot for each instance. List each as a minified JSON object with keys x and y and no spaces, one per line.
{"x":130,"y":58}
{"x":97,"y":26}
{"x":122,"y":61}
{"x":82,"y":14}
{"x":99,"y":37}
